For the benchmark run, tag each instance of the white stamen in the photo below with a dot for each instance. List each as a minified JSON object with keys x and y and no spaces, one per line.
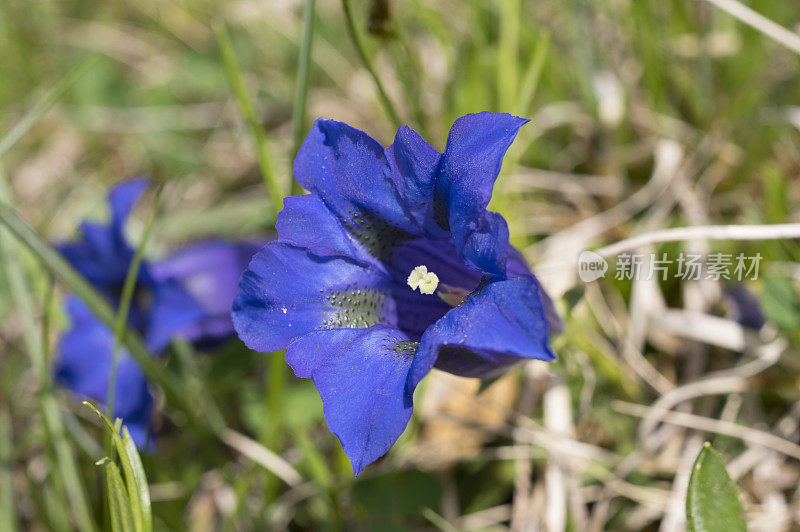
{"x":421,"y":278}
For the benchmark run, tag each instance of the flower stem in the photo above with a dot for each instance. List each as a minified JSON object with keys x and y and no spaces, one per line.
{"x":301,"y":85}
{"x":275,"y":384}
{"x":236,"y":80}
{"x":362,"y":53}
{"x":120,"y":323}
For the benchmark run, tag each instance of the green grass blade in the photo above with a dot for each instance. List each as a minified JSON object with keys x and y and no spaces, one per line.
{"x":128,"y":289}
{"x":135,"y":479}
{"x":274,"y":394}
{"x":50,"y":98}
{"x":20,"y":289}
{"x":194,"y":384}
{"x":236,"y":80}
{"x":67,"y":466}
{"x":712,"y":503}
{"x":530,"y":82}
{"x":54,"y":262}
{"x":121,"y":520}
{"x":8,"y":511}
{"x":313,"y":458}
{"x":55,"y":511}
{"x":37,"y":349}
{"x":131,"y":483}
{"x":355,"y":37}
{"x":227,"y":219}
{"x":301,"y":85}
{"x":508,"y":54}
{"x":143,"y":490}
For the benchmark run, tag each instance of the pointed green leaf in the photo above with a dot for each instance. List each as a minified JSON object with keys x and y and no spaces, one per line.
{"x":143,"y":491}
{"x":8,"y":510}
{"x":135,"y":480}
{"x":121,"y":520}
{"x":712,"y":503}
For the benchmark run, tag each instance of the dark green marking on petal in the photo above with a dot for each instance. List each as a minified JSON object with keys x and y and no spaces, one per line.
{"x":405,"y":348}
{"x":378,"y":236}
{"x":356,"y":308}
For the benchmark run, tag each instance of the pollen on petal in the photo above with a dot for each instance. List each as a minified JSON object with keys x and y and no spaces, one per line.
{"x":421,"y":278}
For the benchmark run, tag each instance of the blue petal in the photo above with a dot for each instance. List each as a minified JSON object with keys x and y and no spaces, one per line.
{"x":83,"y":365}
{"x":107,"y":248}
{"x":414,"y":163}
{"x":173,"y":313}
{"x":501,"y":323}
{"x":744,"y":307}
{"x":466,"y":175}
{"x":287,"y":292}
{"x":103,"y":255}
{"x":485,"y":243}
{"x":349,"y":172}
{"x":133,"y":403}
{"x":516,"y":266}
{"x":306,"y":221}
{"x":208,"y":272}
{"x":103,"y":269}
{"x":361,"y":376}
{"x":123,"y":198}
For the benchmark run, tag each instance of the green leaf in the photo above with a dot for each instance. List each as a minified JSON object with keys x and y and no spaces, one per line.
{"x":573,"y":296}
{"x":780,"y":302}
{"x":137,"y":493}
{"x":301,"y":86}
{"x":121,"y":520}
{"x":8,"y":511}
{"x":712,"y":503}
{"x":142,"y":488}
{"x":358,"y":42}
{"x":390,"y":502}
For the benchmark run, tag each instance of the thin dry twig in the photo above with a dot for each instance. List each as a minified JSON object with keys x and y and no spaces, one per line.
{"x":702,"y":423}
{"x":568,"y":243}
{"x":558,"y":421}
{"x":262,"y":456}
{"x":710,"y":232}
{"x":757,"y":21}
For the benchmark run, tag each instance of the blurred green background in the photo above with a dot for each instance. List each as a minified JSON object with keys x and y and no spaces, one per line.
{"x":619,"y":92}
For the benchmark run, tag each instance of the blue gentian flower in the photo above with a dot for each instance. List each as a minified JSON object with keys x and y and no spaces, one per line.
{"x":390,"y":266}
{"x":186,"y":295}
{"x":743,"y":306}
